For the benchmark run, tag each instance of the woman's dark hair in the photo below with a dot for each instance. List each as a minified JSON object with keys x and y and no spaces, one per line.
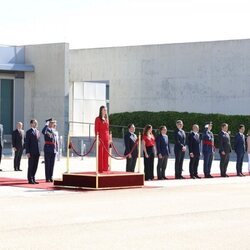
{"x":146,"y":129}
{"x":100,"y":112}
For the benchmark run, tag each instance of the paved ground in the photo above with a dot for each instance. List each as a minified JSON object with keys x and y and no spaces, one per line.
{"x":176,"y":214}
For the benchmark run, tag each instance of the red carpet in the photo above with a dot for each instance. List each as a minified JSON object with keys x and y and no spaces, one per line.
{"x":13,"y":182}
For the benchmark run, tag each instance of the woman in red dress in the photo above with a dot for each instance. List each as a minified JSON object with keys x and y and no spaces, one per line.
{"x":102,"y":128}
{"x":149,"y":152}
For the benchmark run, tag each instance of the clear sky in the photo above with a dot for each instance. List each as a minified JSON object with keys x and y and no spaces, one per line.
{"x":105,"y":23}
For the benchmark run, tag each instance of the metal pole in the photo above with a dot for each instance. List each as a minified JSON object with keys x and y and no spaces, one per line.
{"x":110,"y":151}
{"x":82,"y":149}
{"x":97,"y":152}
{"x":68,"y":153}
{"x":139,"y":152}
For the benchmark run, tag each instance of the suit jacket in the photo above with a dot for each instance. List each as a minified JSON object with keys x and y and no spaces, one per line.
{"x":31,"y":142}
{"x":129,"y":141}
{"x":239,"y":143}
{"x":224,"y":142}
{"x":1,"y":135}
{"x":162,"y":145}
{"x":18,"y":139}
{"x":194,"y":143}
{"x":207,"y":141}
{"x":180,"y":139}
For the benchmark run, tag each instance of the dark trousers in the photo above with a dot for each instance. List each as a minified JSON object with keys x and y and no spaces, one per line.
{"x":32,"y":167}
{"x":49,"y":159}
{"x":179,"y":157}
{"x":193,"y":165}
{"x":161,"y":167}
{"x":17,"y":158}
{"x":149,"y":164}
{"x":208,"y":158}
{"x":239,"y":162}
{"x":224,"y":160}
{"x":130,"y":165}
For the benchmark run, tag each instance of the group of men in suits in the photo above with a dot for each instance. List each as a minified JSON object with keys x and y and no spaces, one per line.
{"x":205,"y":144}
{"x":30,"y":142}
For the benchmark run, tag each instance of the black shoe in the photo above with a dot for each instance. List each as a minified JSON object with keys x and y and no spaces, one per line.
{"x":51,"y":180}
{"x":209,"y":176}
{"x":1,"y":169}
{"x":165,"y":178}
{"x":19,"y":169}
{"x":177,"y":178}
{"x":242,"y":174}
{"x":227,"y":175}
{"x":31,"y":182}
{"x":182,"y":177}
{"x":197,"y":176}
{"x":239,"y":175}
{"x":15,"y":169}
{"x":192,"y":177}
{"x":35,"y":182}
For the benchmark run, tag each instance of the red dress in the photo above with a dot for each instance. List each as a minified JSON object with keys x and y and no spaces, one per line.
{"x":102,"y":128}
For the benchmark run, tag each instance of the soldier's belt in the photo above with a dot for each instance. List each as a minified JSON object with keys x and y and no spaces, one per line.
{"x":49,"y":142}
{"x":208,"y":143}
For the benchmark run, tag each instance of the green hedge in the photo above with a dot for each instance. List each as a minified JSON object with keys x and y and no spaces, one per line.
{"x":156,"y":119}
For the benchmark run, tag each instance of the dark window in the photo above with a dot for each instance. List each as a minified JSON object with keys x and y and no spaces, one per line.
{"x":6,"y":104}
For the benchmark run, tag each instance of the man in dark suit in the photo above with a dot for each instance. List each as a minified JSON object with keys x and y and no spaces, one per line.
{"x":163,"y":152}
{"x":130,"y":139}
{"x":17,"y":144}
{"x":208,"y":149}
{"x":240,"y":149}
{"x":1,"y":142}
{"x":224,"y":149}
{"x":194,"y":151}
{"x":32,"y":150}
{"x":179,"y":149}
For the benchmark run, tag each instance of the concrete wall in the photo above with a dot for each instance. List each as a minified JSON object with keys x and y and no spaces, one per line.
{"x":46,"y":89}
{"x":206,"y":77}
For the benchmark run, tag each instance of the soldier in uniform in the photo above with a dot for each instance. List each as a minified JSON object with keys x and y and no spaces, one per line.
{"x":50,"y":145}
{"x":208,"y":149}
